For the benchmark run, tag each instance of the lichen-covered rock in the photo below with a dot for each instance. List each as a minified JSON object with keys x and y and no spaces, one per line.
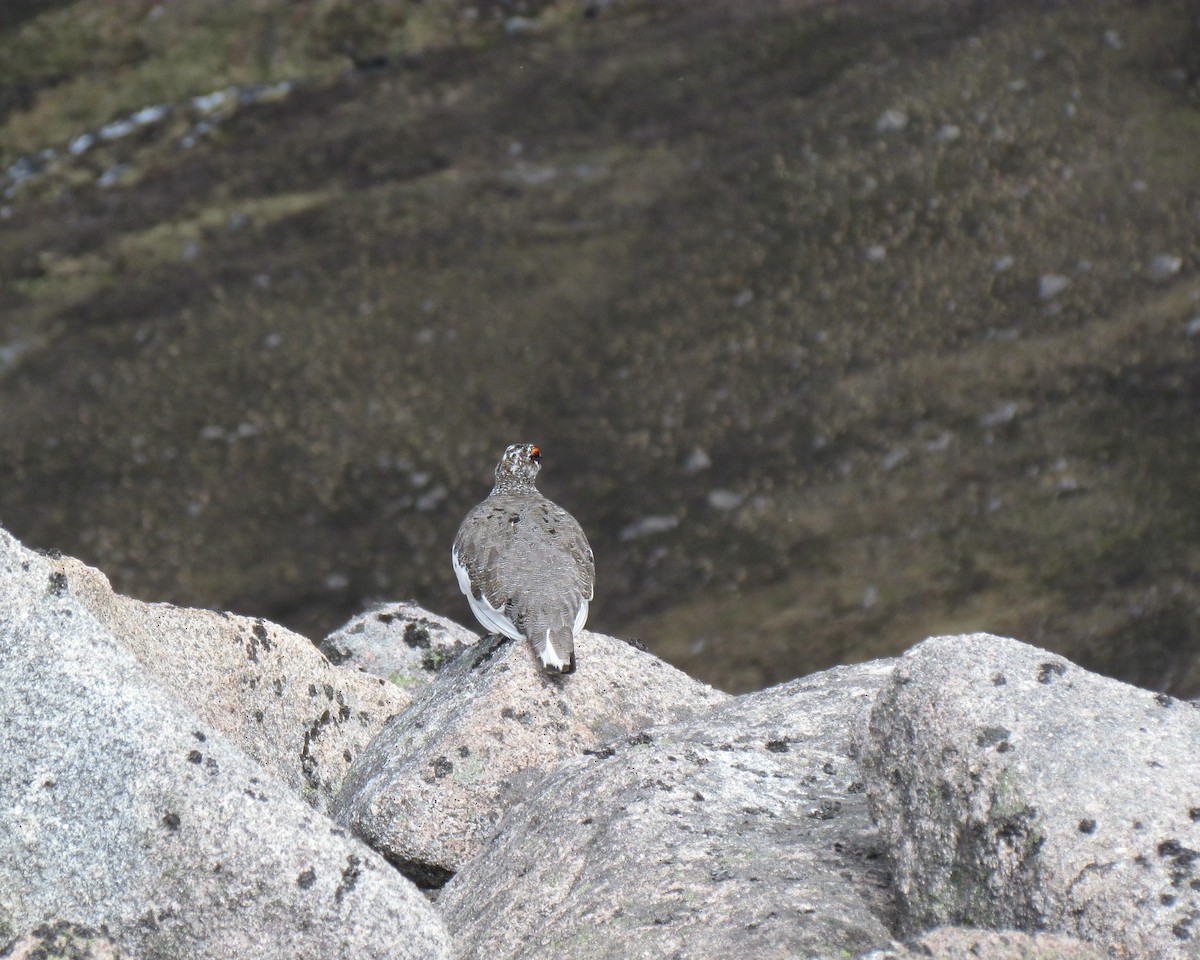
{"x":62,"y":940}
{"x":432,"y":784}
{"x":401,"y":642}
{"x":740,"y":833}
{"x":122,"y":809}
{"x":967,"y":943}
{"x":269,"y":690}
{"x":1017,"y":790}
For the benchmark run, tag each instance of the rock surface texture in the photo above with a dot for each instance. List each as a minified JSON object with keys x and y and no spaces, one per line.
{"x":976,"y":798}
{"x":1017,"y":790}
{"x":964,"y":943}
{"x":267,"y":689}
{"x":400,"y":642}
{"x":63,"y":941}
{"x":433,"y":783}
{"x":121,"y":808}
{"x":740,"y":833}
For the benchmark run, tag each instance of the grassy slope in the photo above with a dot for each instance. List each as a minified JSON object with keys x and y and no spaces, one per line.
{"x":271,"y":372}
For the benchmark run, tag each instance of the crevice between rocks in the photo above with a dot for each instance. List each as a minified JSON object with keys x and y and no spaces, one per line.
{"x":429,"y":877}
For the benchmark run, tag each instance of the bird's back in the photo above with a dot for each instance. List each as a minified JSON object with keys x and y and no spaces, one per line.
{"x":528,"y":557}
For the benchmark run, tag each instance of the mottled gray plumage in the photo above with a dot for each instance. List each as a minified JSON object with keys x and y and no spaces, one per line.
{"x":525,"y":564}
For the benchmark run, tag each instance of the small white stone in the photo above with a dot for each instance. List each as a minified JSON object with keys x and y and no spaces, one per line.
{"x":112,"y":175}
{"x":1050,"y":285}
{"x":1193,"y":327}
{"x":149,"y":115}
{"x":81,"y":144}
{"x":696,"y":461}
{"x":210,"y":102}
{"x":724,"y":499}
{"x":947,"y":133}
{"x":9,"y":353}
{"x":891,"y":120}
{"x":1165,"y":266}
{"x":1005,"y":413}
{"x":648,"y":526}
{"x":431,"y":498}
{"x":876,"y":253}
{"x":116,"y":130}
{"x":1001,"y":264}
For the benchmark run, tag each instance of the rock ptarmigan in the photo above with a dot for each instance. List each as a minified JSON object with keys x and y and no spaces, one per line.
{"x":524,"y":563}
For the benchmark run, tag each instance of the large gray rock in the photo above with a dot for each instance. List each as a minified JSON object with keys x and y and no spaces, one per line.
{"x":1015,"y":789}
{"x":267,"y":689}
{"x":401,"y":642}
{"x":433,"y":783}
{"x":741,"y":833}
{"x":966,"y":943}
{"x":120,"y":809}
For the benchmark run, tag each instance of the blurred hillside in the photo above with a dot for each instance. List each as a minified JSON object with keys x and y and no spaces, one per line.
{"x":840,"y":324}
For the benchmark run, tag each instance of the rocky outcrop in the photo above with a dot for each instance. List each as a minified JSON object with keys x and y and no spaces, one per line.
{"x":122,"y":808}
{"x":400,"y":642}
{"x":741,"y":833}
{"x":1015,"y":790}
{"x":265,"y":688}
{"x":430,"y":788}
{"x":975,"y":797}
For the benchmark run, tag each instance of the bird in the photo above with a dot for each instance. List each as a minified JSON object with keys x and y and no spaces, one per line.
{"x":524,"y":563}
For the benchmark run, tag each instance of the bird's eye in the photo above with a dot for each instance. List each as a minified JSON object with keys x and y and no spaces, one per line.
{"x":535,"y":454}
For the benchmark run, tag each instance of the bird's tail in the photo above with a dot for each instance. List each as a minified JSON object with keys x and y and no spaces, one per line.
{"x":556,"y":651}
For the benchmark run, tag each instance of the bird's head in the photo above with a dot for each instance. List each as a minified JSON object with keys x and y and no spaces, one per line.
{"x":519,"y":465}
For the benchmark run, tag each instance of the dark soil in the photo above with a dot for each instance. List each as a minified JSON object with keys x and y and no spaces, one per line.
{"x":686,"y":249}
